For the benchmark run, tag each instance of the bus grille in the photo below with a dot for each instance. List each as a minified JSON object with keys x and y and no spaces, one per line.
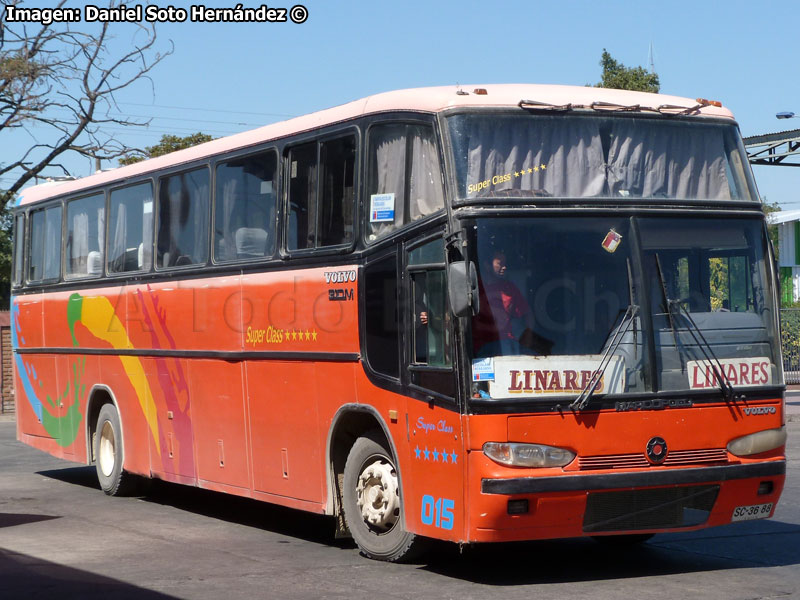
{"x":636,"y":461}
{"x":658,"y":508}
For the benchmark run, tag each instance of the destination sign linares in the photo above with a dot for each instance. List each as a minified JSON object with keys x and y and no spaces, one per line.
{"x":534,"y":376}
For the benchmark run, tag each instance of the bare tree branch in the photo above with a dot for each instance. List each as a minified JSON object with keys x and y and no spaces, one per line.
{"x":64,"y":81}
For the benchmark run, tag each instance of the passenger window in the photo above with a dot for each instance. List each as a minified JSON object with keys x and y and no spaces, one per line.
{"x":302,"y":196}
{"x":183,"y":205}
{"x":338,"y":192}
{"x":130,"y":229}
{"x":86,"y":228}
{"x":19,"y":245}
{"x":244,"y":208}
{"x":405,"y":178}
{"x":45,"y":248}
{"x":322,"y":213}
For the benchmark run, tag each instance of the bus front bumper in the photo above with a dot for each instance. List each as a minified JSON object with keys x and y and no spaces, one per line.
{"x":679,"y":499}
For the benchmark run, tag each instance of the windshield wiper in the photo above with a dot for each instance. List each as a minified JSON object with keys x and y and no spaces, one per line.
{"x":619,"y":334}
{"x":708,"y":352}
{"x":535,"y":104}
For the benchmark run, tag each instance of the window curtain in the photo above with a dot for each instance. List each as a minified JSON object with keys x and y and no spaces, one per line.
{"x":226,"y":249}
{"x":425,"y":188}
{"x":79,"y":243}
{"x":677,"y":162}
{"x":389,"y":173}
{"x":118,"y":242}
{"x":556,"y":157}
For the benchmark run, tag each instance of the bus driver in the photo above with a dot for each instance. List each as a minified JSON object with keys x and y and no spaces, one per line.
{"x":501,"y":303}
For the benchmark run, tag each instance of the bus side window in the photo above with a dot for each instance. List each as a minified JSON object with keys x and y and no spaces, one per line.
{"x":302,"y":196}
{"x":183,"y":203}
{"x":431,"y":319}
{"x":244,"y":208}
{"x":130,"y":229}
{"x":382,"y":332}
{"x":45,"y":248}
{"x":405,"y":178}
{"x":86,"y":228}
{"x":19,"y":245}
{"x":322,"y":215}
{"x":338,"y":158}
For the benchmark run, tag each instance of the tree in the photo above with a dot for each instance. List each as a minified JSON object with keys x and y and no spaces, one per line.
{"x":618,"y":76}
{"x":770,"y":208}
{"x":168,"y":143}
{"x":60,"y":84}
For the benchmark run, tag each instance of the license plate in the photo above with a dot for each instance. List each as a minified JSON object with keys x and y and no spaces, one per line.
{"x":755,"y":511}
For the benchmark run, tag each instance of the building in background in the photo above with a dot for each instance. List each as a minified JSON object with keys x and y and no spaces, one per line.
{"x":788,"y":223}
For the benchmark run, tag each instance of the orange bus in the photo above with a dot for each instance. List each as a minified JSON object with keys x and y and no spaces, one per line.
{"x":510,"y":312}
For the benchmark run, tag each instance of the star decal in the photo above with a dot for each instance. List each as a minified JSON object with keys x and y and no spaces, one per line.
{"x":454,"y":456}
{"x":314,"y":335}
{"x":516,"y":173}
{"x":444,"y":456}
{"x":530,"y":170}
{"x":543,"y":166}
{"x":427,"y":453}
{"x":536,"y":169}
{"x":435,"y":455}
{"x":417,"y":451}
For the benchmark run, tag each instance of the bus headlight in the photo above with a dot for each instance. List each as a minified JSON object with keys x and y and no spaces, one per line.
{"x":527,"y":455}
{"x":758,"y":442}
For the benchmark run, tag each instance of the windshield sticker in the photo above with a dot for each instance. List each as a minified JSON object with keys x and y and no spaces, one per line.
{"x":536,"y":376}
{"x":611,"y":241}
{"x":474,"y":188}
{"x":483,"y":369}
{"x":381,"y":209}
{"x":737,"y":371}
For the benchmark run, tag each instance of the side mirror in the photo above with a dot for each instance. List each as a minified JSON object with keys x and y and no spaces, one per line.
{"x":462,"y":288}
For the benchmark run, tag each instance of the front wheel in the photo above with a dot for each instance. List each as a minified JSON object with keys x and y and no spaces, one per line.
{"x":372,"y":501}
{"x":108,"y":454}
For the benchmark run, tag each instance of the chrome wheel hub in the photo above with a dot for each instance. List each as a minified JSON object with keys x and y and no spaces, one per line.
{"x":378,"y":495}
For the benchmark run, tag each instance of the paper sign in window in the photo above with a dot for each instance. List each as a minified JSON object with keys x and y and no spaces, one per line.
{"x":381,"y":208}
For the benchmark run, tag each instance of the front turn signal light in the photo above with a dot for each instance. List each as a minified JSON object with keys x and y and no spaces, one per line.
{"x":756,"y":443}
{"x":527,"y":455}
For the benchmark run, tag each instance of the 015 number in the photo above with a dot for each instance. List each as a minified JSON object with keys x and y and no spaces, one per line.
{"x":437,"y":512}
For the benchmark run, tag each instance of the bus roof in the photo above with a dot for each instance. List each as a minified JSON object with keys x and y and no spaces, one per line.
{"x":431,"y":100}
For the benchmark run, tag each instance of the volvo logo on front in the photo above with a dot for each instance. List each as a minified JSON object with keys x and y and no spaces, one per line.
{"x":656,"y":450}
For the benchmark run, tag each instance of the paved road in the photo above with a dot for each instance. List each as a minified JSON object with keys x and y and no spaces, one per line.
{"x":60,"y":537}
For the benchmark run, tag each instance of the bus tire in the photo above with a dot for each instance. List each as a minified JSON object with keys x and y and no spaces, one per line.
{"x":372,"y":502}
{"x":114,"y":481}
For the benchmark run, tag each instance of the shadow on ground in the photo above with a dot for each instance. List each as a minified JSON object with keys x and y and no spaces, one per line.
{"x":741,"y":545}
{"x":23,"y":576}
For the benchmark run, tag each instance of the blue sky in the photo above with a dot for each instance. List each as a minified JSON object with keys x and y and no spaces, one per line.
{"x":247,"y":75}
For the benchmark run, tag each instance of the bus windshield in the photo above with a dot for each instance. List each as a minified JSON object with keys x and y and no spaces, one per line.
{"x":671,"y":301}
{"x":597,"y":156}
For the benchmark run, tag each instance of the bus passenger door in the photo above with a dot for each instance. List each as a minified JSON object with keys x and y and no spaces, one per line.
{"x":434,"y":489}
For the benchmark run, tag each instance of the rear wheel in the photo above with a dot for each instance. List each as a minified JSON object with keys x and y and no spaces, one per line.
{"x":372,"y":501}
{"x":108,"y":454}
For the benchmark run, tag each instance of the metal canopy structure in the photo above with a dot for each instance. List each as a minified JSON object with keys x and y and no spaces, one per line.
{"x":782,"y":149}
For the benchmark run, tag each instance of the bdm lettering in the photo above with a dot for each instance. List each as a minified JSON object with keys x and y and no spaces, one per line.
{"x":340,"y":295}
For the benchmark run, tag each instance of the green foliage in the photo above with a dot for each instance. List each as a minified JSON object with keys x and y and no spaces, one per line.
{"x":770,"y":208}
{"x":618,"y":76}
{"x":168,"y":143}
{"x":790,"y":335}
